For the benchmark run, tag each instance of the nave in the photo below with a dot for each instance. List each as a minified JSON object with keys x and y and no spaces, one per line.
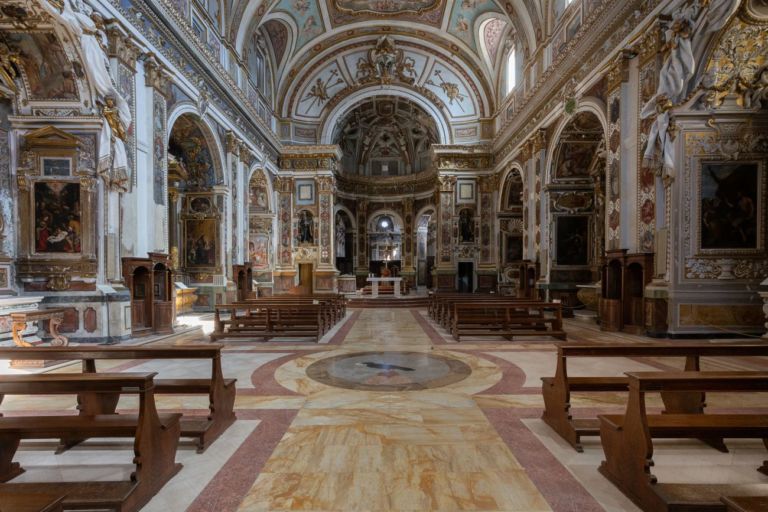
{"x":389,"y":412}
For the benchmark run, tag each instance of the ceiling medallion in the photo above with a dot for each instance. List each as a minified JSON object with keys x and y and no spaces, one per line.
{"x":385,"y":7}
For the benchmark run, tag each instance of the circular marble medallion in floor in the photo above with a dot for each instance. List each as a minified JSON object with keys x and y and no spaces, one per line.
{"x":388,"y":371}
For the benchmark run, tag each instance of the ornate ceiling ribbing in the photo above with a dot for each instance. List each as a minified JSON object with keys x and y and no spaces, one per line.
{"x":452,"y":58}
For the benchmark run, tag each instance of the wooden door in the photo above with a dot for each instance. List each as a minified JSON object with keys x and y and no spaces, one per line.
{"x":305,"y":278}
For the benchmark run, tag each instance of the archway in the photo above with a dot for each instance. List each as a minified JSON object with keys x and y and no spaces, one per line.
{"x":574,"y":207}
{"x":512,"y":231}
{"x":426,"y":241}
{"x":196,"y":208}
{"x":260,"y":230}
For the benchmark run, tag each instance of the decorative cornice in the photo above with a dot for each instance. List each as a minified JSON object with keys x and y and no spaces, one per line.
{"x":121,"y":45}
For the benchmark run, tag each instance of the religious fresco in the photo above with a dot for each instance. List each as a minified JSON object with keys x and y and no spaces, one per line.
{"x":306,"y":14}
{"x":258,"y":194}
{"x":259,"y":250}
{"x":465,"y":14}
{"x":572,"y":240}
{"x":200,"y":247}
{"x":189,"y":146}
{"x":48,"y":74}
{"x":279,"y":37}
{"x":57,"y":217}
{"x":574,"y":159}
{"x":730,"y":206}
{"x":385,"y":6}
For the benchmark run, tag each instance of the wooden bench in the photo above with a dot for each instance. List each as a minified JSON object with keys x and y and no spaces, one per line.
{"x":329,"y":311}
{"x":267,"y":321}
{"x":507,"y":319}
{"x":745,"y":503}
{"x":31,"y":502}
{"x":221,"y":391}
{"x":156,"y":438}
{"x":557,"y":390}
{"x":628,"y":438}
{"x":337,"y":302}
{"x":55,"y":317}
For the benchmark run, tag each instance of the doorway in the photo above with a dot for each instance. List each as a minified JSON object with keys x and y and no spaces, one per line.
{"x":305,"y":278}
{"x":466,"y":275}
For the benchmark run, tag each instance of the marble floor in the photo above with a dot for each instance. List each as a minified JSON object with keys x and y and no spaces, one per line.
{"x":387,"y":413}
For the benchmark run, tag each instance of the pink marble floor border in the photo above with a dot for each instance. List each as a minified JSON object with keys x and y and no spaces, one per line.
{"x":558,"y":486}
{"x":430,"y":331}
{"x":231,"y":484}
{"x":343,"y":331}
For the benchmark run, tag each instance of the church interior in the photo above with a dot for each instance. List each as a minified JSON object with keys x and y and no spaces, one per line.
{"x":384,"y":255}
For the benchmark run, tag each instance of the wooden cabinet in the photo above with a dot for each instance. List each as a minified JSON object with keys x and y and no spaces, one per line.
{"x":243,"y":277}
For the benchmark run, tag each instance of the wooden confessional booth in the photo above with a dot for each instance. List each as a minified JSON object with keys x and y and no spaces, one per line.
{"x":622,"y":301}
{"x":244,"y":281}
{"x":150,"y":284}
{"x":528,"y":275}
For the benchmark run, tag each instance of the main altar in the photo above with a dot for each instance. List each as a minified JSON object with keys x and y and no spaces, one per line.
{"x":375,"y":281}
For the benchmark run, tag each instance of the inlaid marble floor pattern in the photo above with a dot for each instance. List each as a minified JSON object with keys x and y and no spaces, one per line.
{"x":388,"y":413}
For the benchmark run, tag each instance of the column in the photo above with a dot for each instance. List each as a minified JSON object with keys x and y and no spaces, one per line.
{"x":326,"y":273}
{"x":285,"y":272}
{"x":445,"y":268}
{"x":488,"y":262}
{"x":362,"y":267}
{"x":409,"y":245}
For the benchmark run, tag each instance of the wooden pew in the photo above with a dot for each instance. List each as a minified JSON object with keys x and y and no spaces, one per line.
{"x":557,"y":390}
{"x":745,"y":503}
{"x":221,"y":392}
{"x":336,"y":303}
{"x":31,"y":502}
{"x":268,"y":321}
{"x":628,"y":438}
{"x":156,"y":438}
{"x":329,"y":312}
{"x":507,"y":319}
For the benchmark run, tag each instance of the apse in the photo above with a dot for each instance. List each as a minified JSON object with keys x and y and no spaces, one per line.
{"x":385,"y":136}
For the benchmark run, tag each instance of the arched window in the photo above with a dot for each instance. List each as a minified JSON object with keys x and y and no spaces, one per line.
{"x":511,"y":70}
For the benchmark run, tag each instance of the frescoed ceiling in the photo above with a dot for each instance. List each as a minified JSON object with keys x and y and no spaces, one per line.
{"x":449,"y":48}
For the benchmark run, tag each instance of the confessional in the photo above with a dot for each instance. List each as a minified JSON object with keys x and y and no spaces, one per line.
{"x":149,"y":281}
{"x":622,"y":302}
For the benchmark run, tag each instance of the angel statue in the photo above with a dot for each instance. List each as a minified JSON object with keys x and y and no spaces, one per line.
{"x":85,"y":27}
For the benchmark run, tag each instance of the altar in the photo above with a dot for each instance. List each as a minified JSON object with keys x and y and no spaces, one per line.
{"x":375,"y":284}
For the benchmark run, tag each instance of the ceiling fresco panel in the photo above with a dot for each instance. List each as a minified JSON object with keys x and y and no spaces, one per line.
{"x":465,"y":15}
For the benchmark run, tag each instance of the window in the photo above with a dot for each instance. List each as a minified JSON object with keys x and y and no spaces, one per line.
{"x":511,"y":71}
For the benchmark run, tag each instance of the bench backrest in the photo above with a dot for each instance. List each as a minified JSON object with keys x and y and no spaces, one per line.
{"x":662,"y":349}
{"x":73,"y":383}
{"x":208,"y":351}
{"x":698,"y":381}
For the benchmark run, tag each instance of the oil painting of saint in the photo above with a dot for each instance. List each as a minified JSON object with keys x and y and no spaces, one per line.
{"x":729,"y":205}
{"x":201,"y":243}
{"x":575,"y":159}
{"x":57,"y":217}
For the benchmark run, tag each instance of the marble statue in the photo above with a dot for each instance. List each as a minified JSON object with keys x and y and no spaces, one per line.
{"x":676,"y":73}
{"x":78,"y":19}
{"x":341,"y":234}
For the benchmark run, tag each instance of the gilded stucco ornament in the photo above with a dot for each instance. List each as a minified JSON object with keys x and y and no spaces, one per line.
{"x":385,"y":64}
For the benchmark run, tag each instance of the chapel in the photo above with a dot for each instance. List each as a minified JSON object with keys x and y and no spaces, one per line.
{"x":384,"y":255}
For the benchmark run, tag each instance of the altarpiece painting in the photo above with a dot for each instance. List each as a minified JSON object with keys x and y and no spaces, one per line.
{"x":730,"y":205}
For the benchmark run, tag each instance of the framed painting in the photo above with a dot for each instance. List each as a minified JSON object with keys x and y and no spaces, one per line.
{"x":465,"y":192}
{"x":572,"y":240}
{"x":56,"y":166}
{"x":201,"y":242}
{"x":731,"y":207}
{"x":57,"y":217}
{"x":574,"y":159}
{"x":514,"y":249}
{"x":305,"y":192}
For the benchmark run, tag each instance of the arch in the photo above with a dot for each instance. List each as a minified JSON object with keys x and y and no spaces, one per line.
{"x":507,"y":188}
{"x":267,"y":199}
{"x":396,"y":218}
{"x":513,"y":167}
{"x":591,"y":105}
{"x":208,"y":131}
{"x":352,"y":218}
{"x":329,"y":122}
